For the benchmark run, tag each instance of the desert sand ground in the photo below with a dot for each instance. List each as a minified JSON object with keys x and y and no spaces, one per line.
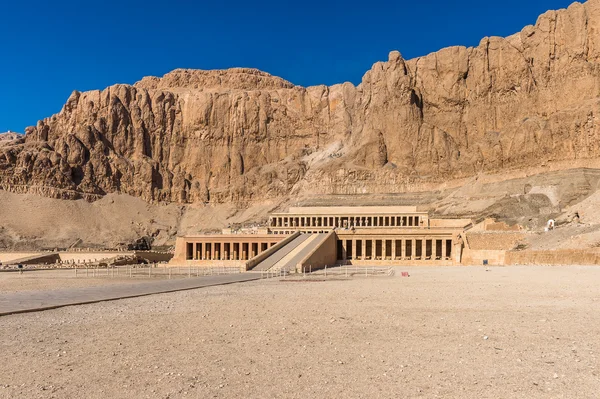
{"x":514,"y":332}
{"x":56,"y":279}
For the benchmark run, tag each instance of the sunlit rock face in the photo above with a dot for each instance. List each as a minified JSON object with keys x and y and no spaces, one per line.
{"x":242,"y":135}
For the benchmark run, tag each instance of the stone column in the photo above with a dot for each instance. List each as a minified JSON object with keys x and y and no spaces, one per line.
{"x":354,"y":249}
{"x":374,"y":249}
{"x":443,"y":249}
{"x":413,"y":249}
{"x":402,"y":249}
{"x":394,"y":249}
{"x":344,"y":250}
{"x":423,"y":248}
{"x":363,"y":252}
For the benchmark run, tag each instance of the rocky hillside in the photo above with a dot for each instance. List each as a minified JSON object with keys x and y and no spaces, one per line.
{"x":10,"y":138}
{"x":244,"y":136}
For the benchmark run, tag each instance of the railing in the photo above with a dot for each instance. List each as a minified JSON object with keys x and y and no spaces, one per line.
{"x":274,"y":273}
{"x":351,"y":271}
{"x":154,"y":271}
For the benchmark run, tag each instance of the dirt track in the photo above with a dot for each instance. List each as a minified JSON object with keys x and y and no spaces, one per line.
{"x":444,"y":332}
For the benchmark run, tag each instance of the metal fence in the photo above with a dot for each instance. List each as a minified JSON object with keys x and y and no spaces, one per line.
{"x":354,"y":271}
{"x":168,"y":272}
{"x":150,"y":271}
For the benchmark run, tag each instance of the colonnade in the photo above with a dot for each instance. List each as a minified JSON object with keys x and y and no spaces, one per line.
{"x":225,"y":250}
{"x":417,"y":248}
{"x":346,"y":221}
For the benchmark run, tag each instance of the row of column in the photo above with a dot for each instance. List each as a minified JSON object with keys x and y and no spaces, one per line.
{"x":406,"y":249}
{"x":225,"y":250}
{"x":345,"y":221}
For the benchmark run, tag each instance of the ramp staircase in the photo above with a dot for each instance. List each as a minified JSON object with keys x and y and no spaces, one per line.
{"x":291,"y":254}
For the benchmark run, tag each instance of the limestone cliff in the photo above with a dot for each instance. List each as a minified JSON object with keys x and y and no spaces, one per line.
{"x":242,"y":135}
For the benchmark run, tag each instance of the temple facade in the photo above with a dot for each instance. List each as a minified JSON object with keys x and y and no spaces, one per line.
{"x":364,"y":235}
{"x":313,"y":219}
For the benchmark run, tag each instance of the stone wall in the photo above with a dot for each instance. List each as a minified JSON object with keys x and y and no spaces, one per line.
{"x":556,"y":257}
{"x":493,"y":240}
{"x":323,"y":255}
{"x":471,"y":257}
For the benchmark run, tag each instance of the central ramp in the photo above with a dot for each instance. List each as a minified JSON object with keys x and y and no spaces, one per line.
{"x":291,"y":254}
{"x":277,"y":256}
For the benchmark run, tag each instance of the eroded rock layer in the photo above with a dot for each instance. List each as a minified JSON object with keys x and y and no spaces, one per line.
{"x":242,"y":135}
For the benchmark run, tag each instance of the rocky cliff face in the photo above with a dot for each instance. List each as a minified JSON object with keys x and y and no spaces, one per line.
{"x":242,"y":135}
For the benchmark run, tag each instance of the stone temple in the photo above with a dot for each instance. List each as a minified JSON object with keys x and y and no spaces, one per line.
{"x":309,"y":238}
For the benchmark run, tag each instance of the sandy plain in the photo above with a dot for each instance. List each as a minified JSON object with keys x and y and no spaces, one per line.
{"x":31,"y":280}
{"x":455,"y":332}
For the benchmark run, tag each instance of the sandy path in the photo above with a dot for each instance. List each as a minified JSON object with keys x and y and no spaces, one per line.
{"x":422,"y":336}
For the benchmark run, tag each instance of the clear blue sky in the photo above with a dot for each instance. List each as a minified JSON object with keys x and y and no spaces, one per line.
{"x":50,"y":48}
